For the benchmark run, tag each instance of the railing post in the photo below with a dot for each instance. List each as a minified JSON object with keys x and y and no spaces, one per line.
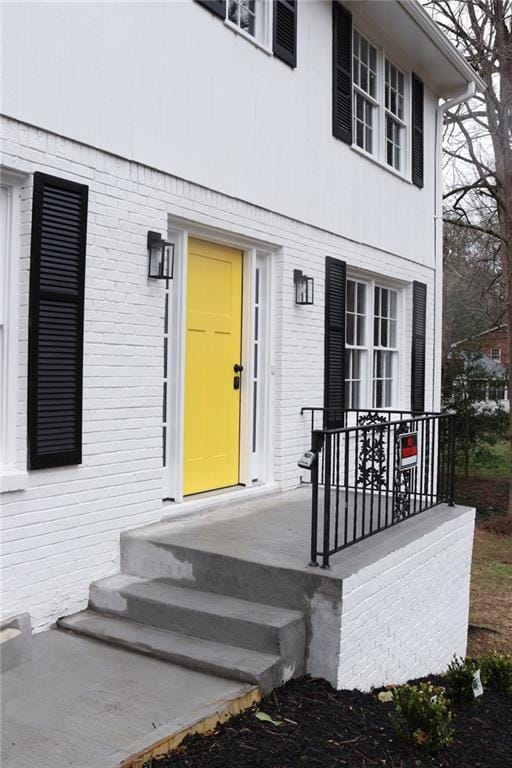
{"x":316,"y":447}
{"x":451,"y":459}
{"x":327,"y":499}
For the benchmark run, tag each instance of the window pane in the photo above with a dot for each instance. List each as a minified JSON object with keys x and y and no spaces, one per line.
{"x":350,"y":329}
{"x":360,"y":340}
{"x":392,"y":333}
{"x":351,"y":290}
{"x":392,"y":304}
{"x":384,"y":302}
{"x":387,"y":394}
{"x":355,"y":394}
{"x":378,"y":396}
{"x":364,"y":79}
{"x":361,"y":298}
{"x":384,"y":333}
{"x":376,"y":332}
{"x":364,"y":50}
{"x":368,"y":140}
{"x":233,"y":11}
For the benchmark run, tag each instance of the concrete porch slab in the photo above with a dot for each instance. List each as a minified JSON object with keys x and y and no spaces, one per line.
{"x":275,"y":531}
{"x":83,"y":703}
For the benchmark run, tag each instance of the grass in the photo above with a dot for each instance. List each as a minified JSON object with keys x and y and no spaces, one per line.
{"x":490,"y":617}
{"x":495,"y":460}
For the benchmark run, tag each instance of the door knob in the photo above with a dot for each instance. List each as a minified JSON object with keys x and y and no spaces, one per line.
{"x":238,"y":368}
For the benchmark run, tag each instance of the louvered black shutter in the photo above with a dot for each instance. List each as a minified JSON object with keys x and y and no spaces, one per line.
{"x":218,"y":7}
{"x":419,"y":313}
{"x":284,"y":34}
{"x":57,"y":271}
{"x":334,"y":361}
{"x":417,"y":131}
{"x":341,"y":73}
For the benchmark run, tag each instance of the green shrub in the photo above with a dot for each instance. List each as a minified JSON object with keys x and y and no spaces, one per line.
{"x":460,"y":679}
{"x":422,"y":716}
{"x":497,"y":670}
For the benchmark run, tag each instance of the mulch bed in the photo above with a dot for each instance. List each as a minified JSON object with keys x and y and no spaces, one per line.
{"x":344,"y":729}
{"x":501,"y":526}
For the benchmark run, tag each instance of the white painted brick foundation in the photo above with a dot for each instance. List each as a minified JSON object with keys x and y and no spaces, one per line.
{"x":406,"y":614}
{"x":62,"y":532}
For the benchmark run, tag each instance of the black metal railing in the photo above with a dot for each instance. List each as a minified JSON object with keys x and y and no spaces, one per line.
{"x":376,"y":470}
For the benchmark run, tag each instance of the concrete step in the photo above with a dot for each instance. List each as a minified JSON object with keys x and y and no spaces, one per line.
{"x":206,"y":615}
{"x":149,"y":553}
{"x":264,"y":669}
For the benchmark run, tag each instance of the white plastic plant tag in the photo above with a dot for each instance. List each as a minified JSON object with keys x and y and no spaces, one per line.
{"x":476,"y":684}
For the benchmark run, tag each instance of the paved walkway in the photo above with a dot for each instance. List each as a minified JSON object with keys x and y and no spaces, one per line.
{"x":84,"y":703}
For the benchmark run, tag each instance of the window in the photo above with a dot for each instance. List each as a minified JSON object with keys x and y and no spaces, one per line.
{"x":365,"y":92}
{"x":496,"y":354}
{"x":10,"y":194}
{"x":384,"y":342}
{"x":394,"y":102}
{"x":380,"y":108}
{"x":270,"y":25}
{"x":243,"y":14}
{"x":251,"y":17}
{"x":371,"y":370}
{"x":496,"y":390}
{"x":355,"y":343}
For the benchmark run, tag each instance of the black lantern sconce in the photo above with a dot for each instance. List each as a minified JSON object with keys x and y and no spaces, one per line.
{"x":161,"y":257}
{"x":303,"y":287}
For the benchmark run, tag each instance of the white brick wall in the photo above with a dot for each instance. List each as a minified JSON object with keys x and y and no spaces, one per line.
{"x":405,"y":615}
{"x":62,"y":532}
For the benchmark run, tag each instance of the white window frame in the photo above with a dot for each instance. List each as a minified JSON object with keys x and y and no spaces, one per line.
{"x":12,"y":478}
{"x":263,"y":32}
{"x":378,"y":155}
{"x":496,"y":358}
{"x":366,"y":394}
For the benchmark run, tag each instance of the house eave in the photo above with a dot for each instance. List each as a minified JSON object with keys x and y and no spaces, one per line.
{"x":430,"y":53}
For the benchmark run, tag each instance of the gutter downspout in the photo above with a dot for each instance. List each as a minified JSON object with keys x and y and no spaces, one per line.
{"x":438,"y":239}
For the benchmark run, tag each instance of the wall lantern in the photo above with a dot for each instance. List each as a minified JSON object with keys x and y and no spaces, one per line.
{"x":161,"y":257}
{"x":303,"y":287}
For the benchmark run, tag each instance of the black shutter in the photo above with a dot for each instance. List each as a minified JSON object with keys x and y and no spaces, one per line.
{"x":341,"y":73}
{"x":284,"y":34}
{"x":57,"y":271}
{"x":218,"y":7}
{"x":417,"y":131}
{"x":334,"y":362}
{"x":419,"y":313}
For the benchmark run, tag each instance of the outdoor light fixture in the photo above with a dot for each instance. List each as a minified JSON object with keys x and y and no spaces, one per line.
{"x":161,"y":257}
{"x":303,"y":287}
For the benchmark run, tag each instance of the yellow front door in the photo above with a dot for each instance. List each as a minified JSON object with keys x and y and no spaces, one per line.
{"x":213,"y":348}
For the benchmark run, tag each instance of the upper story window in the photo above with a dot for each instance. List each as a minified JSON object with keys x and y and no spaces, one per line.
{"x":242,"y":13}
{"x":365,"y":92}
{"x":394,"y":102}
{"x":271,"y":25}
{"x":376,"y":106}
{"x":380,"y":95}
{"x":496,"y":354}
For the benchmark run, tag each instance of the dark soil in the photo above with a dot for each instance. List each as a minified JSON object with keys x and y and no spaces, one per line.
{"x":501,"y":526}
{"x":325,"y":728}
{"x":487,"y":493}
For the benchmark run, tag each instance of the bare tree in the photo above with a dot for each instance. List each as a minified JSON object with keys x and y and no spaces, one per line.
{"x":478,"y":140}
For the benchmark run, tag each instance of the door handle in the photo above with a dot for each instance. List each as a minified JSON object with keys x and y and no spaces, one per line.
{"x":238,"y":368}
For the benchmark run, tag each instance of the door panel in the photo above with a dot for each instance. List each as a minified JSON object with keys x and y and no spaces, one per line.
{"x":213,"y":347}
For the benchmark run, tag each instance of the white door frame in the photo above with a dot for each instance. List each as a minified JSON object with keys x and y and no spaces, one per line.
{"x":179,"y":231}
